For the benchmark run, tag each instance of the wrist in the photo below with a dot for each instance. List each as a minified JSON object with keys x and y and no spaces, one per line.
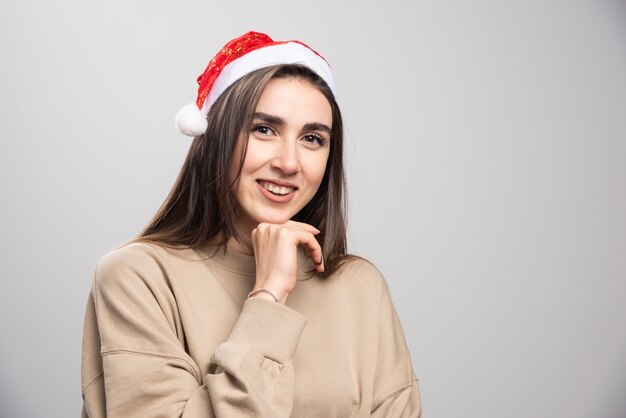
{"x":263,"y":295}
{"x":269,"y":294}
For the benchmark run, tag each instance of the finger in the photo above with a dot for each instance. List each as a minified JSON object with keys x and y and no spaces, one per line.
{"x":263,"y":227}
{"x":304,"y":226}
{"x":309,"y":242}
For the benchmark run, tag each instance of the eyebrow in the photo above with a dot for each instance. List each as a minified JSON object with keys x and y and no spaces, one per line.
{"x":278,"y":121}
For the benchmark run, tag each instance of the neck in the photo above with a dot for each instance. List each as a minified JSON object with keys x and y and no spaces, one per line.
{"x":241,"y":247}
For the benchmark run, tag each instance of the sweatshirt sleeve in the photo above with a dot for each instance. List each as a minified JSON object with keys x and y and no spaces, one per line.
{"x":396,"y":392}
{"x":252,"y":372}
{"x":145,"y":369}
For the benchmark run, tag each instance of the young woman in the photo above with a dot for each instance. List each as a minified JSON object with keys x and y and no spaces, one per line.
{"x":239,"y":298}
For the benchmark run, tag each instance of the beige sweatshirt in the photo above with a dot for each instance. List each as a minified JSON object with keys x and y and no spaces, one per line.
{"x":170,"y":333}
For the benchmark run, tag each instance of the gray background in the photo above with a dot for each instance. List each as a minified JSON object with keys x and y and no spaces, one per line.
{"x":487,"y":174}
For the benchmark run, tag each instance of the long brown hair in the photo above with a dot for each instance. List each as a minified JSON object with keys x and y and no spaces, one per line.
{"x":202,"y":205}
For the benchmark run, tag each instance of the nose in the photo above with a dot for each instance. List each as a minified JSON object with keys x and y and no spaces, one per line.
{"x":286,"y":158}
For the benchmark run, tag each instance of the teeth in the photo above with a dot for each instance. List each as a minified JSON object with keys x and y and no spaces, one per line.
{"x":276,"y":189}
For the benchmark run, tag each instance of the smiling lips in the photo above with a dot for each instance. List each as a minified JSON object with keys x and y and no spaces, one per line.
{"x":279,"y":193}
{"x":276,"y":189}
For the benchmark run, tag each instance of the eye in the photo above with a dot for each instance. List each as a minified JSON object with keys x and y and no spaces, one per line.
{"x":314,"y":140}
{"x":263,"y":130}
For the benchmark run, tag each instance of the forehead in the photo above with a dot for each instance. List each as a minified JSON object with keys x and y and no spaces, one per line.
{"x":295,"y":100}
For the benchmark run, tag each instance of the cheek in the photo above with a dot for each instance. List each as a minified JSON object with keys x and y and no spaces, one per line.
{"x":317,"y":170}
{"x":253,"y":160}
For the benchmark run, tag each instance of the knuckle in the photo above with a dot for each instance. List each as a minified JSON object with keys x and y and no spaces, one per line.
{"x":284,"y":233}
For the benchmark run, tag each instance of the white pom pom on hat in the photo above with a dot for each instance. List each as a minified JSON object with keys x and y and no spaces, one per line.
{"x":190,"y":120}
{"x":237,"y":58}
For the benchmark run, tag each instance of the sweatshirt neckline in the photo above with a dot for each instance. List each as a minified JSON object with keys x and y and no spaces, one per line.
{"x":231,"y":260}
{"x":246,"y":264}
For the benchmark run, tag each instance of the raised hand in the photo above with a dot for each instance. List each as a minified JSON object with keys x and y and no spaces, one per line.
{"x":276,"y":253}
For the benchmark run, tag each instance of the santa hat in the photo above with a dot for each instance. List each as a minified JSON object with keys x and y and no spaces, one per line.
{"x":237,"y":58}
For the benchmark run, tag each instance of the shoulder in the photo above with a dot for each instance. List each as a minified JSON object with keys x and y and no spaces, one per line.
{"x":355,"y":264}
{"x":131,"y":264}
{"x":128,"y":256}
{"x":359,"y":272}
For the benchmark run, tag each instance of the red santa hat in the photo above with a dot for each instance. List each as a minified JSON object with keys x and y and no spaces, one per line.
{"x":237,"y":58}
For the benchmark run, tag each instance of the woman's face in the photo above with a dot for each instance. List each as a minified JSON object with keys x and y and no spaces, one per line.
{"x":288,"y":147}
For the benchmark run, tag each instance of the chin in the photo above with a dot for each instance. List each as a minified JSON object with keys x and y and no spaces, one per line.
{"x":274,"y":218}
